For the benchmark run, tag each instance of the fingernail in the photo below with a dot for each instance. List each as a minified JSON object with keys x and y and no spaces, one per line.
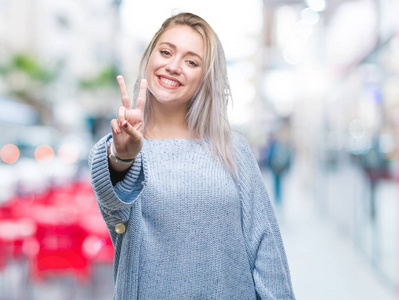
{"x":125,"y":124}
{"x":117,"y":130}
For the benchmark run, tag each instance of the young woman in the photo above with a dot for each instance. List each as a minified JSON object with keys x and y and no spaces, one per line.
{"x":182,"y":195}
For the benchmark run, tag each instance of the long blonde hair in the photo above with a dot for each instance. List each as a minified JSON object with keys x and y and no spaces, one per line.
{"x":207,"y":110}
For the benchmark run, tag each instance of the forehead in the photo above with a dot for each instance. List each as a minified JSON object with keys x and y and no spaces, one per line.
{"x":184,"y":38}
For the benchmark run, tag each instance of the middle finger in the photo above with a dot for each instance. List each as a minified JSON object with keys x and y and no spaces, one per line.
{"x":121,"y":115}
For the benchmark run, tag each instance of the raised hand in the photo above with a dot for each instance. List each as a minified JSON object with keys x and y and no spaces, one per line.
{"x":127,"y":130}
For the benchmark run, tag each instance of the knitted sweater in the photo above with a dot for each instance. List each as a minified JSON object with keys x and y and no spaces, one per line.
{"x":193,"y":231}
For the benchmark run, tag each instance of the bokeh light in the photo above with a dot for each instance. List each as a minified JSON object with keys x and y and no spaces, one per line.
{"x":317,"y":5}
{"x":44,"y":154}
{"x":9,"y":153}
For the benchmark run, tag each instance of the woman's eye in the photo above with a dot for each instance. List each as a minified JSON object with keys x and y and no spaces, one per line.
{"x":165,"y":52}
{"x":192,"y":63}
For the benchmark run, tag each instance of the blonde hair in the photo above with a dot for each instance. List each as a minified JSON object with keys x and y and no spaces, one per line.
{"x":207,"y":110}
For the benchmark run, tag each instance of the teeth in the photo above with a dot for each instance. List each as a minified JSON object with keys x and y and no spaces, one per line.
{"x":169,"y":82}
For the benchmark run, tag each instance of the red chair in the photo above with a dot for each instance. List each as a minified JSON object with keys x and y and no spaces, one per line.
{"x":69,"y":233}
{"x":60,"y":252}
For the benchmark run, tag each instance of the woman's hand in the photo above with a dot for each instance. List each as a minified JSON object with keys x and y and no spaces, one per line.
{"x":127,"y":130}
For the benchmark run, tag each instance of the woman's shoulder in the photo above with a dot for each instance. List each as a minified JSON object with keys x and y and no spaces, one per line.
{"x":244,"y":153}
{"x":247,"y":165}
{"x":240,"y":143}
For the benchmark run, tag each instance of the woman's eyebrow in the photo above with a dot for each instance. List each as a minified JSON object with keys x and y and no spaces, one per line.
{"x":173,"y":46}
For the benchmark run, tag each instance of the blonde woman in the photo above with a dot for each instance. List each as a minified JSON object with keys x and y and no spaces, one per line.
{"x":181,"y":194}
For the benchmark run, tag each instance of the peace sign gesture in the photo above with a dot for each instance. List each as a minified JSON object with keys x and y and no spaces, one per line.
{"x":127,"y":130}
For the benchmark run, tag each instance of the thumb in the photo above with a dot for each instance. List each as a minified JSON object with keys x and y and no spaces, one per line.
{"x":134,"y":132}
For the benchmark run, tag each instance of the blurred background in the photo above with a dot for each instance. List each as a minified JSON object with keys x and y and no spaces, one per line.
{"x":315,"y":88}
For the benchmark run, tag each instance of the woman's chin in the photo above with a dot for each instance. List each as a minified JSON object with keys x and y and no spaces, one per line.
{"x":164,"y":99}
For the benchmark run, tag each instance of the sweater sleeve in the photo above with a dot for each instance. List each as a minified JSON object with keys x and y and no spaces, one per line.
{"x":264,"y":244}
{"x":115,"y":201}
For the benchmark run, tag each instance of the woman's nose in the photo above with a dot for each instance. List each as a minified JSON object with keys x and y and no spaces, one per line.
{"x":173,"y":66}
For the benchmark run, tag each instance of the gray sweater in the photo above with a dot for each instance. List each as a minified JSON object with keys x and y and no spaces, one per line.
{"x":190,"y":229}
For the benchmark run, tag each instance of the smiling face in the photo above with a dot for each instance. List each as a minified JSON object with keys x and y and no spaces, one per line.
{"x":174,"y":70}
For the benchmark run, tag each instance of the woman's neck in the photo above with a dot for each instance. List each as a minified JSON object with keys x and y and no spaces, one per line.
{"x":165,"y":133}
{"x":167,"y":122}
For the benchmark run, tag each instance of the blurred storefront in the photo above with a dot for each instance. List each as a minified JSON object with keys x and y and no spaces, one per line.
{"x":332,"y":68}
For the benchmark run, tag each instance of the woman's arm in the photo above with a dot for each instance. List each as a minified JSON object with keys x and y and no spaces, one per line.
{"x":261,"y":232}
{"x":115,"y":201}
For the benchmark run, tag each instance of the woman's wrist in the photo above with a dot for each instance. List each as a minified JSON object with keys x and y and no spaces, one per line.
{"x":116,"y":163}
{"x":114,"y":157}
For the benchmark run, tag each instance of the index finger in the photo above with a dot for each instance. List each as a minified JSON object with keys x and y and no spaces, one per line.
{"x":142,"y":95}
{"x":124,"y":94}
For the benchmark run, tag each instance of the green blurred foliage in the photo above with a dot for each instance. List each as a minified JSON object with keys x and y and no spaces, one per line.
{"x":26,"y":77}
{"x":30,"y":65}
{"x":105,"y":78}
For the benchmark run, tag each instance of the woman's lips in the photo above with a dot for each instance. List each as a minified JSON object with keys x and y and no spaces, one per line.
{"x":168,"y":83}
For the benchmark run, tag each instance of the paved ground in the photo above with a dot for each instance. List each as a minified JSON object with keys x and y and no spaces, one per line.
{"x":325,"y":262}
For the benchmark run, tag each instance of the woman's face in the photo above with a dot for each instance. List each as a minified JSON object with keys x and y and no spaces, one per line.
{"x":174,"y":69}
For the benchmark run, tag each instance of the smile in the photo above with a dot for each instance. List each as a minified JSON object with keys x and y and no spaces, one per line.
{"x":168,"y":83}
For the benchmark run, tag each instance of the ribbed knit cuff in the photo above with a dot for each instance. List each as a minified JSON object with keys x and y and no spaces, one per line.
{"x":125,"y":192}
